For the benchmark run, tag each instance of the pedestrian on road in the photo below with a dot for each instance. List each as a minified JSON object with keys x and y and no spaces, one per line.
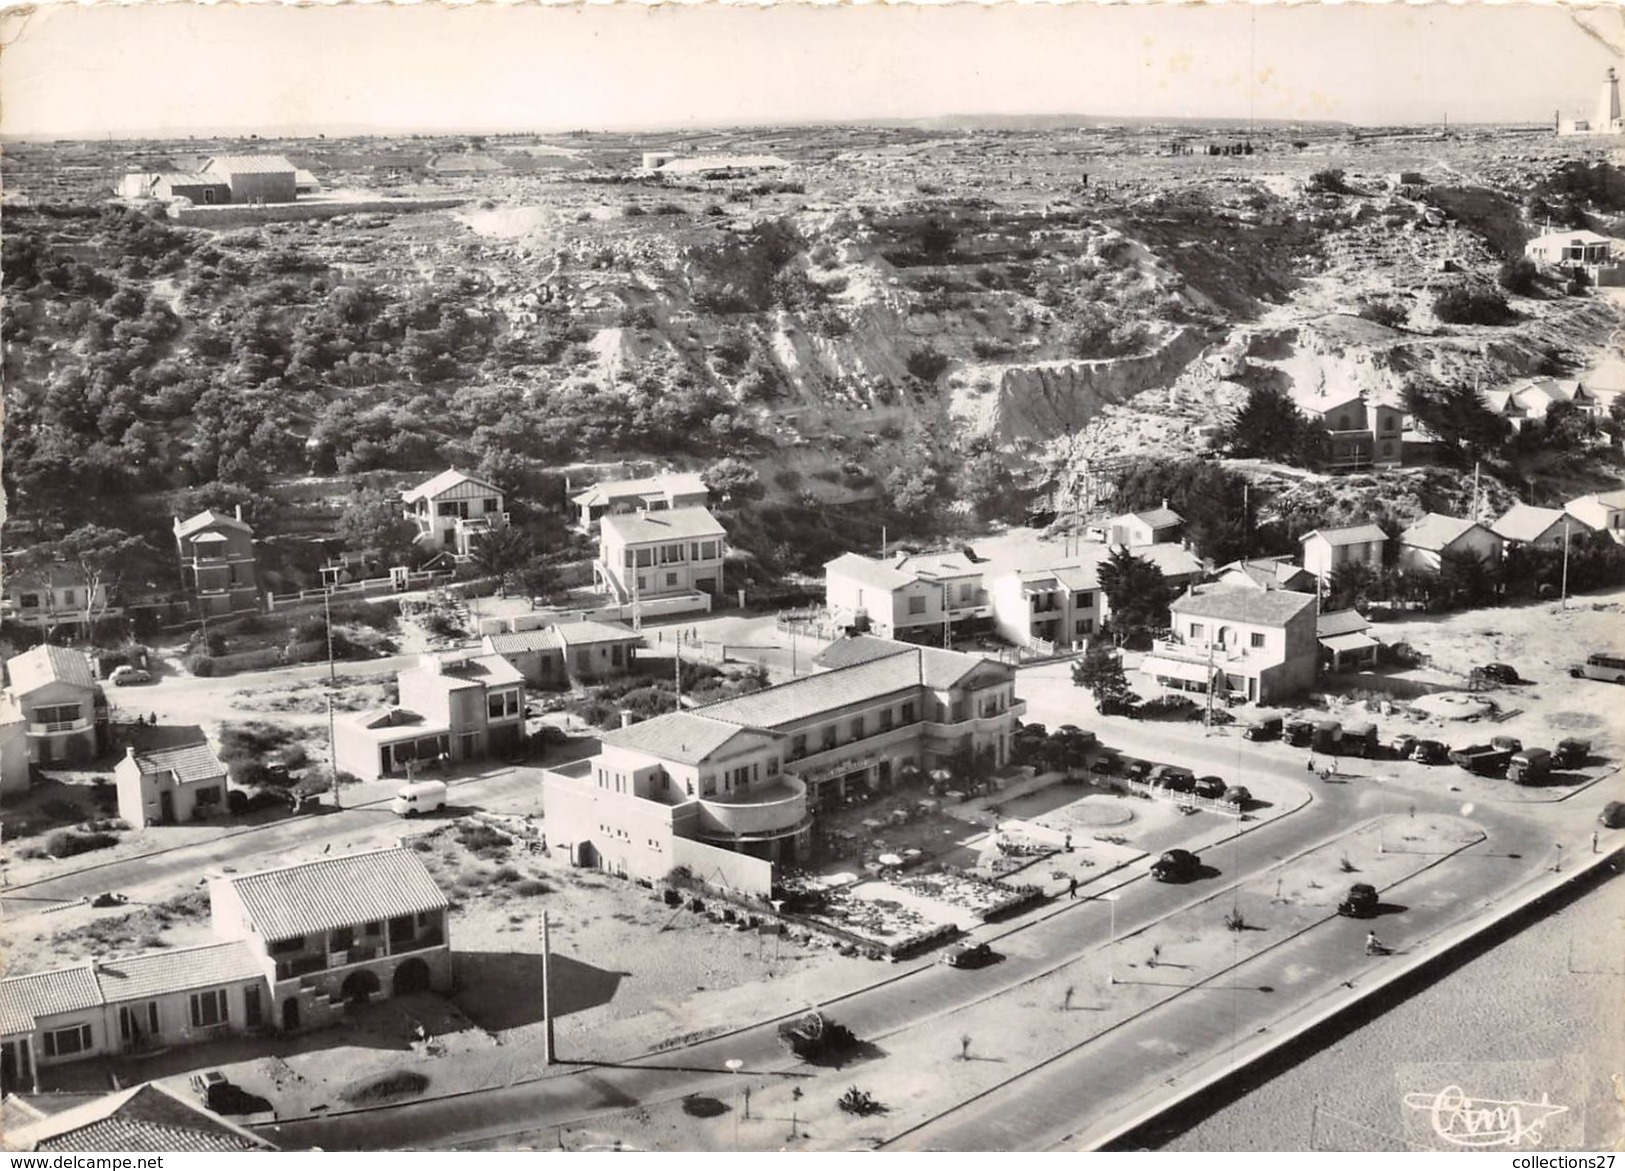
{"x":1311,"y":766}
{"x":1072,"y":889}
{"x":1594,"y":841}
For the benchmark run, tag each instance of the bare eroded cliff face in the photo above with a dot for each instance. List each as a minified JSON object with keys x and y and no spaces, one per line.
{"x":1019,"y":406}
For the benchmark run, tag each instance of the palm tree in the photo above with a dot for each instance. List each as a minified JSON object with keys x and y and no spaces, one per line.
{"x":501,"y":553}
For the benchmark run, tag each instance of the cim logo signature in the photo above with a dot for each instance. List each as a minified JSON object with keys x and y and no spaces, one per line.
{"x":1484,"y":1122}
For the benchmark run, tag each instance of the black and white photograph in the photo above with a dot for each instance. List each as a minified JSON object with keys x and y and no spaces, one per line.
{"x":820,"y":578}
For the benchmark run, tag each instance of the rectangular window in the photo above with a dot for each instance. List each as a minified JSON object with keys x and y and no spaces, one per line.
{"x":617,"y":654}
{"x":1086,"y":626}
{"x":916,"y":605}
{"x":798,"y":746}
{"x":209,"y":1008}
{"x":1197,"y":630}
{"x":490,"y":503}
{"x":63,"y":1042}
{"x":501,"y":705}
{"x":829,"y":737}
{"x":908,"y":712}
{"x":773,"y":766}
{"x":857,"y":728}
{"x":671,"y":579}
{"x":1086,"y":600}
{"x":886,"y":720}
{"x":29,"y":601}
{"x":967,"y":591}
{"x":70,"y":598}
{"x":1257,"y":641}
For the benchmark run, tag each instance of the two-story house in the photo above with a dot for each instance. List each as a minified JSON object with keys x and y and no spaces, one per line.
{"x":650,"y":494}
{"x":1546,"y":528}
{"x":217,"y":562}
{"x":909,"y":596}
{"x":729,"y":790}
{"x":453,"y":511}
{"x":451,"y":709}
{"x":168,"y":786}
{"x":568,"y":654}
{"x":1327,"y":550}
{"x":1601,"y":512}
{"x":337,"y":930}
{"x":1423,"y":546}
{"x":645,"y":556}
{"x":1357,"y":436}
{"x":1257,"y":645}
{"x":65,"y":708}
{"x":14,"y":773}
{"x":55,"y":597}
{"x":1063,"y":603}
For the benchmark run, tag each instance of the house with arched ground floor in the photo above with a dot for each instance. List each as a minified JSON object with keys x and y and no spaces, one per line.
{"x":337,"y":931}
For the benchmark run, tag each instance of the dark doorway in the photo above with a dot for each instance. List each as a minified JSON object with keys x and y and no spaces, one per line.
{"x":360,"y":984}
{"x":412,"y":976}
{"x":251,"y":1003}
{"x":290,"y":1015}
{"x":166,"y":807}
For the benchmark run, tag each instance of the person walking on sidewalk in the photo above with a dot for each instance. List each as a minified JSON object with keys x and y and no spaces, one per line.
{"x":1072,"y":889}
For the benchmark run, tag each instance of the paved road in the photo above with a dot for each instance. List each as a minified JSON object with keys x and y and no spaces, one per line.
{"x":918,"y":997}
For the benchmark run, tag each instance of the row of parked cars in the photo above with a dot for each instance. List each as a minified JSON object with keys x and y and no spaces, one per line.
{"x":1172,"y":777}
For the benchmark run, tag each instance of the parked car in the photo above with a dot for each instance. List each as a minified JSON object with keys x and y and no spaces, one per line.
{"x":212,"y":1087}
{"x":1496,"y":673}
{"x":968,"y":955}
{"x":1609,"y":667}
{"x":1359,"y":739}
{"x":1135,"y":770}
{"x":1298,"y":732}
{"x":1263,"y":728}
{"x":1361,"y":902}
{"x":1400,"y":747}
{"x":1176,"y":866}
{"x":1484,"y":759}
{"x":1239,"y":795}
{"x":1429,"y":752}
{"x":1210,"y":787}
{"x":1327,"y":737}
{"x":1510,"y":743}
{"x":1572,"y":752}
{"x":1171,"y":776}
{"x":1612,"y":815}
{"x":1529,"y":766}
{"x":419,"y":797}
{"x":125,"y":675}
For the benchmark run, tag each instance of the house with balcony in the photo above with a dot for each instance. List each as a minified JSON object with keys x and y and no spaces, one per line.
{"x":568,"y":654}
{"x":452,"y":511}
{"x":452,"y":708}
{"x":1267,"y":573}
{"x":909,"y":596}
{"x":1357,"y":436}
{"x":1423,"y":546}
{"x":170,"y":786}
{"x":729,"y":790}
{"x":650,"y":494}
{"x":1062,"y":603}
{"x":1544,"y":528}
{"x":217,"y":562}
{"x":55,"y":597}
{"x":1257,"y":646}
{"x":132,"y":1004}
{"x":654,"y":556}
{"x":1325,"y":551}
{"x":65,"y":709}
{"x":335,"y":931}
{"x":1601,"y":512}
{"x":1346,"y":642}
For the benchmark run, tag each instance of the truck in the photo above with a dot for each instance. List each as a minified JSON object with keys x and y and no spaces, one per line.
{"x":1327,"y":737}
{"x":1486,"y":760}
{"x":1529,"y":767}
{"x":1572,"y":753}
{"x":1299,"y":731}
{"x":1359,"y":739}
{"x":1263,"y":727}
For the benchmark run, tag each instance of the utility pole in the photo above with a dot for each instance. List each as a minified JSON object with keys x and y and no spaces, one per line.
{"x":327,"y":615}
{"x":883,"y":542}
{"x":547,"y":998}
{"x":1208,"y":717}
{"x":677,"y":669}
{"x":947,"y":619}
{"x":333,"y":752}
{"x":1567,"y":528}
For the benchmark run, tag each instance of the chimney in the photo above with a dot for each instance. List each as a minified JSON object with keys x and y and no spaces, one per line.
{"x":627,"y":717}
{"x":1165,"y":502}
{"x":239,"y":512}
{"x":129,"y":752}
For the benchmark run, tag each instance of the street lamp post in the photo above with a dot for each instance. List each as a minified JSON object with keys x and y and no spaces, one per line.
{"x":1111,"y":946}
{"x":734,"y":1066}
{"x":327,"y":615}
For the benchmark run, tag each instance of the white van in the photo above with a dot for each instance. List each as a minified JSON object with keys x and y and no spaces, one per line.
{"x":420,"y":797}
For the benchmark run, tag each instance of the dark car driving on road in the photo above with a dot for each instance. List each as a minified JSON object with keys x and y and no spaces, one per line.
{"x":1176,"y":866}
{"x":1361,"y":902}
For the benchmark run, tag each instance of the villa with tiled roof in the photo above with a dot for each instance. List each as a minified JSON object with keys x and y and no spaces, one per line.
{"x":729,"y":790}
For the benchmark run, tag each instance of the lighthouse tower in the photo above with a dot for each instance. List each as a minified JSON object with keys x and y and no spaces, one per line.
{"x":1607,"y":120}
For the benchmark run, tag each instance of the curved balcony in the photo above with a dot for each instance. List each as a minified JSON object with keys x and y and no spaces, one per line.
{"x":757,"y":812}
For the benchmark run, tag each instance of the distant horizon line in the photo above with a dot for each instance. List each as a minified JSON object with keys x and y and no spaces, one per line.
{"x":923,"y":122}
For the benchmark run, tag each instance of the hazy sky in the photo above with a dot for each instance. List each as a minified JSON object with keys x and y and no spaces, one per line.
{"x":186,"y":68}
